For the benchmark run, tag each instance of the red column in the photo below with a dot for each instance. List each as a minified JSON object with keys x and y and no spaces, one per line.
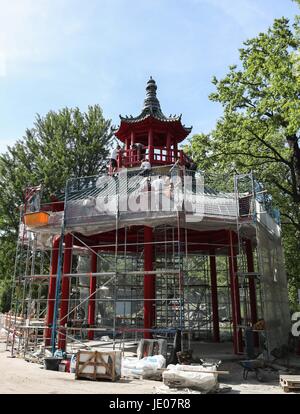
{"x":149,"y":282}
{"x":181,"y":157}
{"x":65,"y":291}
{"x":131,"y":159}
{"x":214,"y":296}
{"x":51,"y":290}
{"x":168,"y":148}
{"x":235,"y":297}
{"x":119,"y":160}
{"x":150,"y":145}
{"x":127,"y":144}
{"x":175,"y":151}
{"x":126,"y":160}
{"x":132,"y":138}
{"x":252,"y":288}
{"x":92,"y":303}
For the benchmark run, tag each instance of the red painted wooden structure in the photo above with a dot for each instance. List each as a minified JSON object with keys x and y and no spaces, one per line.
{"x":159,"y":138}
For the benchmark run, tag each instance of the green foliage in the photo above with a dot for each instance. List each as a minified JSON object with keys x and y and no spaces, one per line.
{"x":259,"y":129}
{"x":5,"y":296}
{"x":61,"y":145}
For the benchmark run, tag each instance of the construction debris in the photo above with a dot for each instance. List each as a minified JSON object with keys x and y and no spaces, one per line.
{"x":150,"y":347}
{"x":193,"y":377}
{"x":290,"y":382}
{"x":149,"y":367}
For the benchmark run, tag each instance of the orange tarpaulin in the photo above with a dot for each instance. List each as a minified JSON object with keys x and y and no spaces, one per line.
{"x":36,"y":219}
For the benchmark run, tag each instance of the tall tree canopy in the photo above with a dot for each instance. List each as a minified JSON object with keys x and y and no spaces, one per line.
{"x":63,"y":144}
{"x":259,"y":129}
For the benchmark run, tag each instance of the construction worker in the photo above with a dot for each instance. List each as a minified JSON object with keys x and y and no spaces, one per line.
{"x":157,"y":187}
{"x":145,"y":167}
{"x":113,"y":160}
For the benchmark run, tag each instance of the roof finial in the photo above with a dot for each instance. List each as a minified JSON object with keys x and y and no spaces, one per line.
{"x":151,"y":102}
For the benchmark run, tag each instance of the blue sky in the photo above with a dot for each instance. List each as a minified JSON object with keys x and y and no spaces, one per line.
{"x":56,"y":53}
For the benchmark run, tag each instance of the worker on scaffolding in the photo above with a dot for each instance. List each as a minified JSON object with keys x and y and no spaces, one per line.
{"x":140,"y":150}
{"x":157,"y":187}
{"x":113,"y":160}
{"x":145,"y":167}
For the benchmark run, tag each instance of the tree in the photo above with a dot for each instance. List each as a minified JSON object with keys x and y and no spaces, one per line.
{"x":259,"y":129}
{"x":61,"y":145}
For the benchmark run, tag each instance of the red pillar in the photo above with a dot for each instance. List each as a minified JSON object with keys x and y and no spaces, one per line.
{"x":168,"y":148}
{"x":235,"y":297}
{"x":149,"y":282}
{"x":252,"y":288}
{"x":214,"y":296}
{"x":51,"y":290}
{"x":175,"y":151}
{"x":65,"y":291}
{"x":132,"y":159}
{"x":150,"y":145}
{"x":92,"y":303}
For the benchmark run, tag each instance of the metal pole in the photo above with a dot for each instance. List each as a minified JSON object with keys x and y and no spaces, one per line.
{"x":92,"y":300}
{"x":52,"y":289}
{"x":235,"y":297}
{"x":58,"y":279}
{"x":65,"y":290}
{"x":149,"y":282}
{"x":214,"y":295}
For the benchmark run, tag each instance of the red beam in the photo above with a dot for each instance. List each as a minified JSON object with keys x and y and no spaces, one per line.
{"x":92,"y":303}
{"x":51,"y":291}
{"x":65,"y":291}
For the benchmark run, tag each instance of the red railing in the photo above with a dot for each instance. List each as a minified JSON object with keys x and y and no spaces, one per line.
{"x":156,"y":156}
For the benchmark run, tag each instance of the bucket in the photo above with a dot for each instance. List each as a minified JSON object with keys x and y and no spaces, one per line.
{"x":52,"y":363}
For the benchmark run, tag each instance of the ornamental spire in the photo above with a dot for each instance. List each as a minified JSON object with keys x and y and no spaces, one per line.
{"x":151,"y":103}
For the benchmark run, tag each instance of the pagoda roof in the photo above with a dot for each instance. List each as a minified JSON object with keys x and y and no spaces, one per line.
{"x":152,"y":115}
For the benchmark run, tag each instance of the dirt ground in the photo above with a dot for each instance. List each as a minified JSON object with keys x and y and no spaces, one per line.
{"x":21,"y":377}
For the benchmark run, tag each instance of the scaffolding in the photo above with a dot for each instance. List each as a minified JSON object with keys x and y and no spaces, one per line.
{"x":208,"y":274}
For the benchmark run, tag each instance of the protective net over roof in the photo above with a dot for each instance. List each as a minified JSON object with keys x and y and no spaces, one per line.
{"x":133,"y":198}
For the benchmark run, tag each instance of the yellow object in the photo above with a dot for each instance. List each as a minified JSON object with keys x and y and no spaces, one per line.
{"x":259,"y":325}
{"x":36,"y":219}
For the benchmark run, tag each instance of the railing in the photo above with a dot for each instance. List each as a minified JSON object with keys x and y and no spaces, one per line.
{"x":156,"y":155}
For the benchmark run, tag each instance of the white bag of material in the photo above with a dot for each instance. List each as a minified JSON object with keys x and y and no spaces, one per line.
{"x":152,"y":362}
{"x":177,"y":376}
{"x":134,"y":367}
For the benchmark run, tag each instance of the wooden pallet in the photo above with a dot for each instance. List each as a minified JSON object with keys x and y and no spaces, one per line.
{"x":290,"y":382}
{"x":95,"y":365}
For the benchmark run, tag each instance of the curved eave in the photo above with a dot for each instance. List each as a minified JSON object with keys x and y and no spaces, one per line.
{"x":172,"y":125}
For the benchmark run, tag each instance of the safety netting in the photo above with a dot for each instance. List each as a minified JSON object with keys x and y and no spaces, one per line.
{"x":274,"y":286}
